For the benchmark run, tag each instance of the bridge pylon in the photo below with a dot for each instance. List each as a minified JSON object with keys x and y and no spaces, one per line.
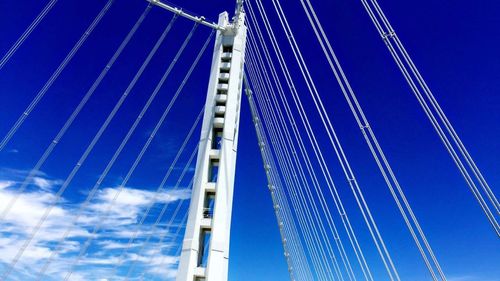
{"x":205,"y":248}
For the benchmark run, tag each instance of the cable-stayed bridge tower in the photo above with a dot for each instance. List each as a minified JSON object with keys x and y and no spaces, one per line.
{"x":205,"y":249}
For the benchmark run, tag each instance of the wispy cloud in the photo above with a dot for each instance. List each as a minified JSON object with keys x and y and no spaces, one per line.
{"x":117,"y":227}
{"x":15,"y":177}
{"x":5,"y":184}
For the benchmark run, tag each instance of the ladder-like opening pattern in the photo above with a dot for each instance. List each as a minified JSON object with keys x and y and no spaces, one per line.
{"x":217,"y":137}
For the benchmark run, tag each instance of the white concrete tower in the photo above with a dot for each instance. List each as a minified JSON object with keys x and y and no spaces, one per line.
{"x":205,"y":249}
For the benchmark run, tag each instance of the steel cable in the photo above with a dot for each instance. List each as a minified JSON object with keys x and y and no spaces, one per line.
{"x":349,"y":175}
{"x":331,"y":185}
{"x":389,"y":35}
{"x":299,"y":214}
{"x":296,"y":192}
{"x":379,"y":156}
{"x":75,"y":113}
{"x":131,"y":266}
{"x":337,"y":200}
{"x":165,"y":113}
{"x":115,"y":156}
{"x":55,"y":75}
{"x":281,"y":205}
{"x":162,"y":238}
{"x":121,"y":187}
{"x":27,"y":33}
{"x":288,"y":142}
{"x":262,"y":148}
{"x":195,"y":63}
{"x":84,"y":155}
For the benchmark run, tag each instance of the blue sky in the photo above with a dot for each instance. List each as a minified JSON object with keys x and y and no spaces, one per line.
{"x":455,"y":46}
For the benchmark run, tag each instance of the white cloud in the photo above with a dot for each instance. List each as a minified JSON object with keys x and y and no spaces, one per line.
{"x":5,"y":184}
{"x":117,"y":227}
{"x":15,"y":177}
{"x":44,"y":183}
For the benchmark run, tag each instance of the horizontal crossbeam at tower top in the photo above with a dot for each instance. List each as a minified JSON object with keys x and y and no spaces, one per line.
{"x":180,"y":12}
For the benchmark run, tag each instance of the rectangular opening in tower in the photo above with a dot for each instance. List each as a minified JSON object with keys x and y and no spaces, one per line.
{"x":213,"y":170}
{"x":203,"y":251}
{"x":217,"y":138}
{"x":227,"y":48}
{"x":208,"y":207}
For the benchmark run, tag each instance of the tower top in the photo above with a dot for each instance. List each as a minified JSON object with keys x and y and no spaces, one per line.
{"x":180,"y":12}
{"x":239,"y":9}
